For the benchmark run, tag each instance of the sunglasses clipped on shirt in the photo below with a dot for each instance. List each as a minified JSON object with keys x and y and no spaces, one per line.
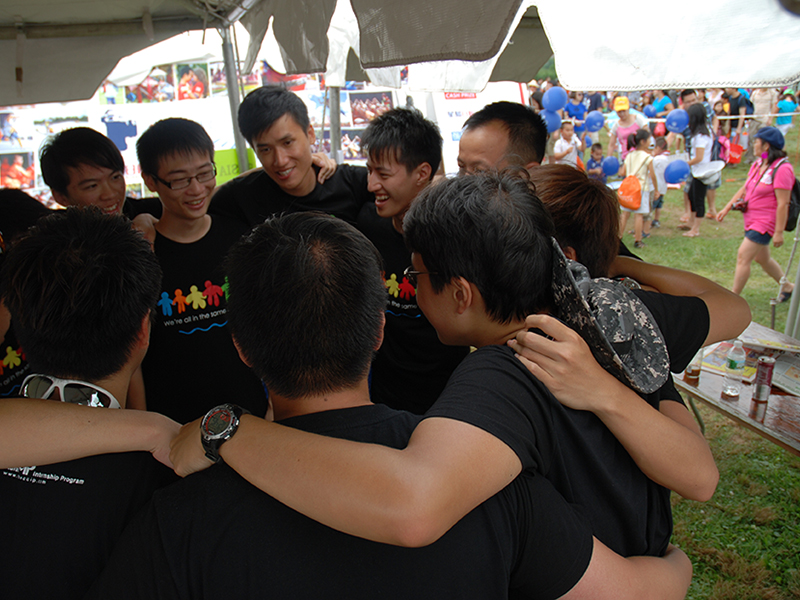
{"x":70,"y":390}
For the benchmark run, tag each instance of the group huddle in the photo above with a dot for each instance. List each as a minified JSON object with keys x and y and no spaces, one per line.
{"x":403,"y":385}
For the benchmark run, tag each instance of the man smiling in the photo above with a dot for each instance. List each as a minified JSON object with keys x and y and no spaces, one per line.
{"x":191,"y":357}
{"x":84,"y":168}
{"x":275,"y":122}
{"x":412,"y":366}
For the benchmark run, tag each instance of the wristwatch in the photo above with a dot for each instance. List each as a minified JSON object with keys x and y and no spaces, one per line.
{"x":218,"y":426}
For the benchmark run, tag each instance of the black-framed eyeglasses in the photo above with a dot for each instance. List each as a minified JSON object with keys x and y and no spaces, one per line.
{"x":70,"y":390}
{"x":184,"y":182}
{"x":411,"y":275}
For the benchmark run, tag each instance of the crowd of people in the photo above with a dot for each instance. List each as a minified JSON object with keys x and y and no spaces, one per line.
{"x":372,"y":381}
{"x":723,"y":125}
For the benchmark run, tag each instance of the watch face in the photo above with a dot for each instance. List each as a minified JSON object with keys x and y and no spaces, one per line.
{"x":217,"y":422}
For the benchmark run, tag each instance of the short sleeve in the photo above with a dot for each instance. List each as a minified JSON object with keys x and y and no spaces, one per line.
{"x":493,"y":391}
{"x":556,"y":542}
{"x":684,"y":323}
{"x":784,"y":177}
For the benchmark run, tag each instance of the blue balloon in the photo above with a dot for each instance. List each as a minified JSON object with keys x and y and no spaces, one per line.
{"x":554,"y":99}
{"x":610,"y":165}
{"x":677,"y":120}
{"x":594,"y":121}
{"x":587,"y":142}
{"x":676,"y":171}
{"x":649,"y":111}
{"x":552,"y":120}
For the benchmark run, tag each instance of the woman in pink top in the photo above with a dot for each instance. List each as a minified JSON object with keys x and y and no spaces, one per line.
{"x":627,"y":125}
{"x":764,"y":199}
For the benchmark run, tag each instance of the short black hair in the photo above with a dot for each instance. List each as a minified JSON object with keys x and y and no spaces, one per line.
{"x":263,"y":106}
{"x":491,"y":229}
{"x":72,"y":148}
{"x":527,"y":131}
{"x":306,"y":303}
{"x":405,"y":135}
{"x":596,"y":146}
{"x":687,"y":92}
{"x":18,"y":211}
{"x":79,"y":285}
{"x":170,"y":137}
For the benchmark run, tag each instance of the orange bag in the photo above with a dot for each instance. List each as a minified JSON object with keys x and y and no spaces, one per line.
{"x":630,"y":193}
{"x":735,"y":152}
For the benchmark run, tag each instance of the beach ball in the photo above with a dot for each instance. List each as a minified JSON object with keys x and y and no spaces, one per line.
{"x":676,"y":171}
{"x":554,"y":99}
{"x":610,"y":165}
{"x":594,"y":121}
{"x":677,"y":120}
{"x":552,"y":120}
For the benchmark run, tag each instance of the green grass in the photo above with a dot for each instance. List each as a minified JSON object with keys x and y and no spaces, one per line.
{"x":745,"y":542}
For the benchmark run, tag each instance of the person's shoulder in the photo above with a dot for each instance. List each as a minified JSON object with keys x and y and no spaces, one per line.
{"x":256,"y":177}
{"x":347,"y":170}
{"x":786,"y":174}
{"x":133,"y":207}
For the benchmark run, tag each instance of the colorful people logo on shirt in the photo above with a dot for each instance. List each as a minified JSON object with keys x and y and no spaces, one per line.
{"x":196,"y":298}
{"x":392,"y":285}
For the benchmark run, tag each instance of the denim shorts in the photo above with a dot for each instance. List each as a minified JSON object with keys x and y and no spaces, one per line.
{"x":758,"y":237}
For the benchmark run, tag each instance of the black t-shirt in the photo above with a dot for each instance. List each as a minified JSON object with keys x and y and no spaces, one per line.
{"x":735,"y":104}
{"x":63,"y":520}
{"x":13,"y":366}
{"x":412,"y":366}
{"x":492,"y":390}
{"x":192,"y":365}
{"x":213,"y":535}
{"x":595,"y":101}
{"x":136,"y":206}
{"x":253,"y":198}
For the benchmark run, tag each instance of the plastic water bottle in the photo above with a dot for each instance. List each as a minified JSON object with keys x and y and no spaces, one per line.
{"x":734,"y":371}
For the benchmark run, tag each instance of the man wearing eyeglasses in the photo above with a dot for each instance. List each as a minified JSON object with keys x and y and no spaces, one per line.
{"x":80,"y":287}
{"x":192,"y":361}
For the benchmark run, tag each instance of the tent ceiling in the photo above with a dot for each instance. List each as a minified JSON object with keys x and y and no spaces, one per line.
{"x":63,"y":49}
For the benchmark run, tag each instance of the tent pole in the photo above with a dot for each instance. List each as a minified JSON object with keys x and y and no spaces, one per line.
{"x":232,"y":81}
{"x":336,"y":125}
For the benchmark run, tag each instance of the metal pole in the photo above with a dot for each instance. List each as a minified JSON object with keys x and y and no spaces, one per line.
{"x":232,"y":80}
{"x":336,"y":126}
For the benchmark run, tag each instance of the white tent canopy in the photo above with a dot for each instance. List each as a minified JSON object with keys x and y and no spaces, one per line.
{"x":62,"y":50}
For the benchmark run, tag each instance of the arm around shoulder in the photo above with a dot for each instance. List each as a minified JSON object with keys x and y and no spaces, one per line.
{"x":42,"y":432}
{"x":406,"y":497}
{"x":729,"y":313}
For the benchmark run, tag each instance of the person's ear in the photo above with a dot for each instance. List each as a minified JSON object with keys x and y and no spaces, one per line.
{"x":311,"y":134}
{"x":569,"y":252}
{"x":62,"y":199}
{"x":423,"y":175}
{"x":462,"y":293}
{"x":534,"y":164}
{"x":241,"y":353}
{"x":379,"y":341}
{"x":143,"y":337}
{"x":150,"y":182}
